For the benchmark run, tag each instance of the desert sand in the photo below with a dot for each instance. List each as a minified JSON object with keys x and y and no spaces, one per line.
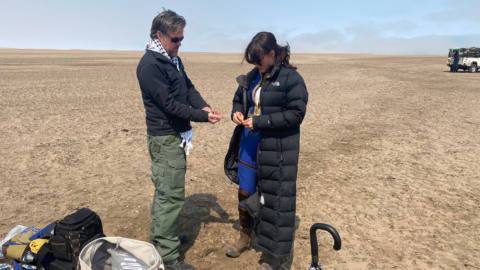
{"x":390,"y":155}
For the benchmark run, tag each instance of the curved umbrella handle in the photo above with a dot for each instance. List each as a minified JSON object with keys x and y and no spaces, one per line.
{"x":337,"y":242}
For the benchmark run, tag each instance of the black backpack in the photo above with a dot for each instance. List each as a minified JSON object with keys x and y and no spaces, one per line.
{"x":72,"y":233}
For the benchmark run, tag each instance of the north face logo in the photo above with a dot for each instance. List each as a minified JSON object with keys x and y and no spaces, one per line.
{"x":277,"y":83}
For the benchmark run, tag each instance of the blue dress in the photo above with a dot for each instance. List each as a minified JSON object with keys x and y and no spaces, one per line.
{"x":247,"y":165}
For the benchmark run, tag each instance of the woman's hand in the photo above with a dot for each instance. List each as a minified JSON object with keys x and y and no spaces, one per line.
{"x":248,"y":123}
{"x":237,"y":118}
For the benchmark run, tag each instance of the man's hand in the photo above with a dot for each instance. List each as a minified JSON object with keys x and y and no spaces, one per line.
{"x":248,"y":123}
{"x":207,"y":109}
{"x":214,"y":117}
{"x":238,"y":118}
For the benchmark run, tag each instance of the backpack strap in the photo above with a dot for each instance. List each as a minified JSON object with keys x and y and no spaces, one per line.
{"x":44,"y":256}
{"x":74,"y":238}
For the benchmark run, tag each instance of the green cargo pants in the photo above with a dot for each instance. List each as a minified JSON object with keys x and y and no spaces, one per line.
{"x":168,"y":176}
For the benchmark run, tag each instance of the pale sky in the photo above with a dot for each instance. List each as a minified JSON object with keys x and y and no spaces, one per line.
{"x":379,"y":27}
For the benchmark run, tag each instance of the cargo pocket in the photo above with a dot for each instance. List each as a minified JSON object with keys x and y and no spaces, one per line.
{"x":154,"y":148}
{"x":158,"y":174}
{"x":177,"y":170}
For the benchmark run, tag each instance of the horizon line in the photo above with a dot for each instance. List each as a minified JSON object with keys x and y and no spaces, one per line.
{"x":217,"y":52}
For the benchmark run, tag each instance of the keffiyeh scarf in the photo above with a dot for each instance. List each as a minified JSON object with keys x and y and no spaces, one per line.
{"x":156,"y":46}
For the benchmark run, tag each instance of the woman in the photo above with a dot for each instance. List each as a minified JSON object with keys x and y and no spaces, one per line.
{"x":268,"y":108}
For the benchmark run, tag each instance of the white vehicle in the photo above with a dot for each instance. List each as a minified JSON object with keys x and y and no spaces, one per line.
{"x":469,"y":59}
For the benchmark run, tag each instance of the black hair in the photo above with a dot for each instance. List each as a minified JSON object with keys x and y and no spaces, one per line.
{"x":263,"y":43}
{"x":167,"y":21}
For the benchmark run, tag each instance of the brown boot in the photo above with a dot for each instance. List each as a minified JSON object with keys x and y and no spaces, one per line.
{"x":243,"y":243}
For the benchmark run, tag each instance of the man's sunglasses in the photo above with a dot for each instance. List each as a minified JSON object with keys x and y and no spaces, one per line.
{"x":176,"y":39}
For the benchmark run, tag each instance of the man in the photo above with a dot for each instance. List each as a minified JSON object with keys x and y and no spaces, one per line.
{"x":171,"y":102}
{"x":456,"y":59}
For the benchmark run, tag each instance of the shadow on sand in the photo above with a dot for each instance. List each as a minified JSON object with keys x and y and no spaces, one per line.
{"x":195,"y":213}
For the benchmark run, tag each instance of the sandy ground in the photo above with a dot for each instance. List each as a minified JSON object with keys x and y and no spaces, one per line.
{"x":390,"y":155}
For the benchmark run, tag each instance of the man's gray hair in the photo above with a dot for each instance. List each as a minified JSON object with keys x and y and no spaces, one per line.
{"x":167,"y":21}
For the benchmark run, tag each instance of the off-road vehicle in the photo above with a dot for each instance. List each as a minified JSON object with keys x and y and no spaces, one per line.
{"x":469,"y":58}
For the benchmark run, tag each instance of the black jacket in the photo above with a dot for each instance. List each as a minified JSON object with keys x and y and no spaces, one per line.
{"x":283,"y":101}
{"x":169,"y":97}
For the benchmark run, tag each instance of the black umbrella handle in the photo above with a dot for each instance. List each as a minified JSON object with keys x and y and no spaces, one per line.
{"x":337,"y":244}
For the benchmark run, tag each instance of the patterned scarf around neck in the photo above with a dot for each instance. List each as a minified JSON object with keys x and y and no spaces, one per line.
{"x":187,"y":136}
{"x":156,"y":46}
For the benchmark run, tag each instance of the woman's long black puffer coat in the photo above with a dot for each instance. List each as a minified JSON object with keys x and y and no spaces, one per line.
{"x":283,"y":101}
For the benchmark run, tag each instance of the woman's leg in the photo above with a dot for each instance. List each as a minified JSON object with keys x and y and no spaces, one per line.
{"x":243,"y":242}
{"x":247,"y":177}
{"x":247,"y":186}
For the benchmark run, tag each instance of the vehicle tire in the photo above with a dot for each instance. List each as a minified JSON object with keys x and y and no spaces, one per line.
{"x":473,"y":68}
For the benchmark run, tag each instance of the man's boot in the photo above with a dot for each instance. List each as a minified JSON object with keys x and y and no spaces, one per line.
{"x":243,"y":243}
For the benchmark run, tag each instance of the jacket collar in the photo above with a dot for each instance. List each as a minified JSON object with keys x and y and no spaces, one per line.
{"x":273,"y":73}
{"x":160,"y":57}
